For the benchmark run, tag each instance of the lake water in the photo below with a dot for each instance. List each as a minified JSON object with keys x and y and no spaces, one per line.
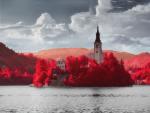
{"x":25,"y":99}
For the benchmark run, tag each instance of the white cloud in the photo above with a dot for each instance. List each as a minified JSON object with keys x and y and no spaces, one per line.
{"x":128,"y":23}
{"x":126,"y":31}
{"x":103,"y":6}
{"x":141,"y":9}
{"x":45,"y":30}
{"x":46,"y":27}
{"x":81,"y":22}
{"x":45,"y":19}
{"x":16,"y":25}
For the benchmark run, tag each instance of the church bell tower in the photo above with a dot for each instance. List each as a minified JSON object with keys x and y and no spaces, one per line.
{"x":98,"y":53}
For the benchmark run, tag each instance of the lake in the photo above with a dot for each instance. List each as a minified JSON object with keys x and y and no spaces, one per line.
{"x":25,"y":99}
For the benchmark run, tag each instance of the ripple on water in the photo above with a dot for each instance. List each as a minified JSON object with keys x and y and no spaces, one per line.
{"x":78,"y":100}
{"x":8,"y":111}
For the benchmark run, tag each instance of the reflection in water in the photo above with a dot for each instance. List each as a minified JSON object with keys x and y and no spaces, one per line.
{"x":24,"y":99}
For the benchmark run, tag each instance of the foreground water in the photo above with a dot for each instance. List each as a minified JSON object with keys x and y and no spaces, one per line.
{"x":25,"y":99}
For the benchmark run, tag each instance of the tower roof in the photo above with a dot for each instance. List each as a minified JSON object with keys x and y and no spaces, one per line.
{"x":97,"y":36}
{"x":97,"y":29}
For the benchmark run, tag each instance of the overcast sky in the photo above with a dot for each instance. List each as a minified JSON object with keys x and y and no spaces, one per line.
{"x":32,"y":25}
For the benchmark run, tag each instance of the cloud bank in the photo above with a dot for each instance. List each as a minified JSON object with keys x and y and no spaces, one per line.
{"x":124,"y":31}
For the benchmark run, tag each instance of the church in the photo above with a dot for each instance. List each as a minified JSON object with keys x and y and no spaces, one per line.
{"x":97,"y":54}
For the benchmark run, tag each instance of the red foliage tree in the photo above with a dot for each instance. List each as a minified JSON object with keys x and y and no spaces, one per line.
{"x":9,"y":76}
{"x":86,"y":72}
{"x":142,"y":75}
{"x":44,"y":72}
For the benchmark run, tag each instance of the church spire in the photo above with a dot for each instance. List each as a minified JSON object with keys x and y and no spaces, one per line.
{"x":97,"y":35}
{"x":98,"y":53}
{"x":97,"y":29}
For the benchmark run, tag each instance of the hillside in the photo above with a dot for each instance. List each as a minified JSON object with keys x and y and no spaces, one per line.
{"x":121,"y":55}
{"x":64,"y":52}
{"x":61,"y":53}
{"x":130,"y":59}
{"x":10,"y":58}
{"x":140,"y":60}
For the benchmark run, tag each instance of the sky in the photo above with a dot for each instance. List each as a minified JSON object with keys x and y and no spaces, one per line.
{"x":33,"y":25}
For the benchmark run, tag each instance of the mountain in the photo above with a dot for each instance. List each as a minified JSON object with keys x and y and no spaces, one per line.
{"x":140,"y":60}
{"x":64,"y":52}
{"x":9,"y":58}
{"x":130,"y":59}
{"x":121,"y":55}
{"x":61,"y":53}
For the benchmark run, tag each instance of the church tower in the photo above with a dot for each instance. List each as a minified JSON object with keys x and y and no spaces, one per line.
{"x":98,"y":53}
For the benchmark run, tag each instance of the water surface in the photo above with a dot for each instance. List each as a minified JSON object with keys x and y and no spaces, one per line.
{"x":25,"y":99}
